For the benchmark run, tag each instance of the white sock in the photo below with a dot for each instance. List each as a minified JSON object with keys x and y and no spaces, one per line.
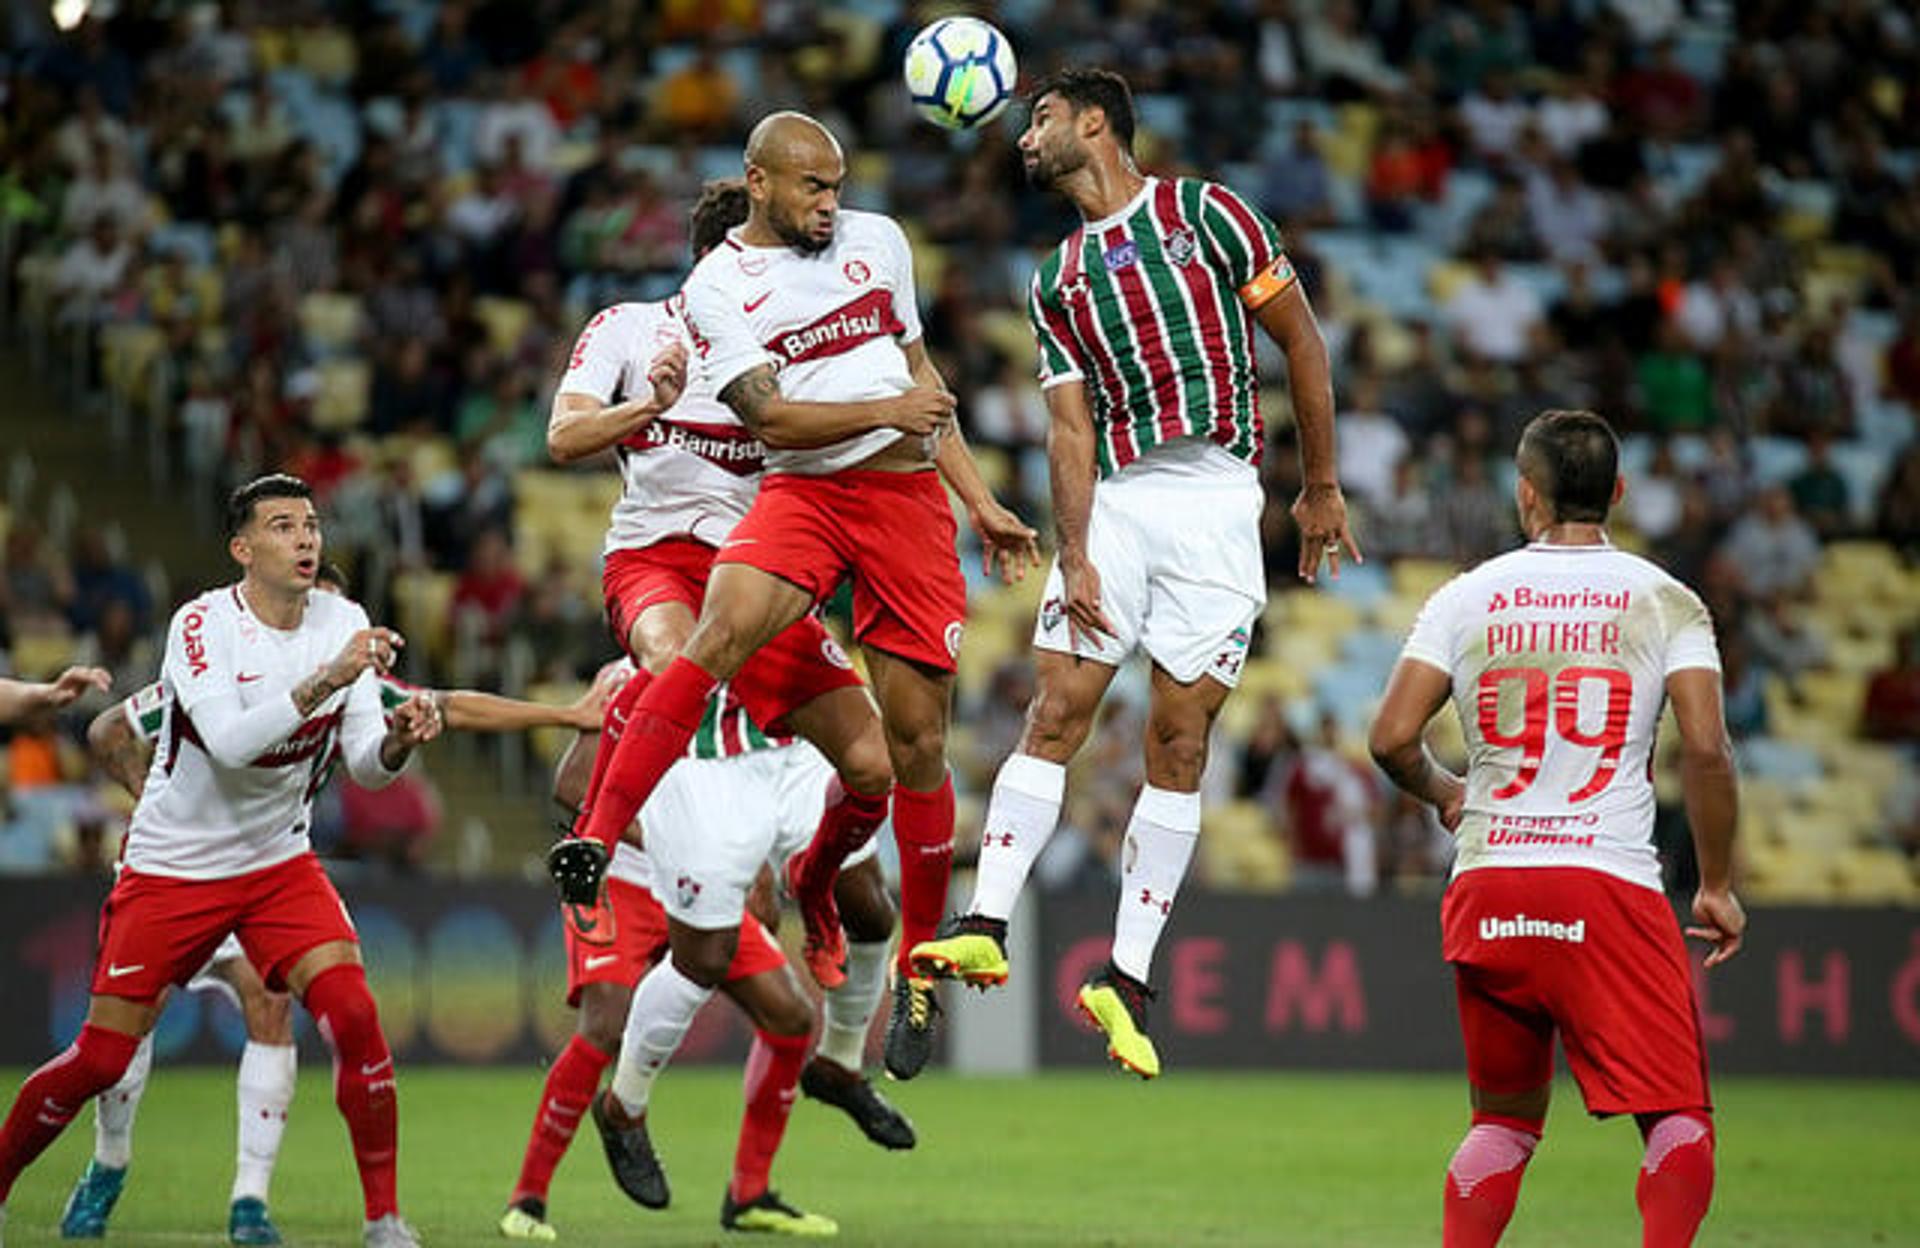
{"x":663,"y":1008}
{"x":1160,"y":840}
{"x":850,"y":1007}
{"x":1020,"y":820}
{"x":265,"y":1088}
{"x":114,"y":1110}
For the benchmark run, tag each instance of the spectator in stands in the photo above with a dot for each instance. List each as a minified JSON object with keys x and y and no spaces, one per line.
{"x":1892,"y":708}
{"x":1572,"y":113}
{"x":1744,"y":687}
{"x":1713,"y":308}
{"x":488,"y":593}
{"x":1267,"y":755}
{"x":392,"y":826}
{"x":516,"y":111}
{"x":1008,"y":411}
{"x":1494,"y":117}
{"x":1295,"y":185}
{"x":1655,"y":502}
{"x":1504,"y":226}
{"x":1897,"y":519}
{"x":1329,"y":801}
{"x":1820,"y":492}
{"x":36,"y":588}
{"x":1345,"y":59}
{"x":106,"y":190}
{"x":1903,"y":359}
{"x":100,"y":581}
{"x":1493,"y":314}
{"x":1403,"y":526}
{"x":1676,"y":392}
{"x":1814,"y":394}
{"x":1659,"y":96}
{"x":1782,"y":642}
{"x":700,"y":100}
{"x":1569,"y":217}
{"x":1372,"y":444}
{"x":1774,"y":549}
{"x":92,"y":268}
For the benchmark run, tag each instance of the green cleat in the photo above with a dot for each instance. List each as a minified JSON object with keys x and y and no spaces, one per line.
{"x":92,"y":1201}
{"x":248,"y":1223}
{"x":526,"y":1221}
{"x":1116,"y":1003}
{"x":767,"y":1214}
{"x":970,"y":948}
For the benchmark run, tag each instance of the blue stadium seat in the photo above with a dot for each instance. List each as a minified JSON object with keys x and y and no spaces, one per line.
{"x":1165,"y":115}
{"x":1769,"y":758}
{"x":1776,"y":460}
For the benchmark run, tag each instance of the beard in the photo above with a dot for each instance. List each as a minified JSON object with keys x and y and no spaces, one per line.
{"x":1048,"y":168}
{"x":797,"y":237}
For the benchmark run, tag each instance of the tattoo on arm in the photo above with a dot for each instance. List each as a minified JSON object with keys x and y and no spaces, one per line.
{"x":749,"y":393}
{"x":311,"y":692}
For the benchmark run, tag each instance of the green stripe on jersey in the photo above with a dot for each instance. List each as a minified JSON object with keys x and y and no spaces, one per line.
{"x":706,"y":738}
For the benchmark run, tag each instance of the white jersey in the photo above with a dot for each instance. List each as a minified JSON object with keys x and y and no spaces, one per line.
{"x":1559,"y":657}
{"x":691,"y":472}
{"x":832,"y":325}
{"x":231,"y":786}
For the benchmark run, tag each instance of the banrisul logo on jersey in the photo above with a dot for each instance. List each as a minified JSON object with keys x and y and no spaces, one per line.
{"x":840,"y":331}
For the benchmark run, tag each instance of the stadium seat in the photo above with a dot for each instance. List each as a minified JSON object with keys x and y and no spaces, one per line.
{"x":341,"y":400}
{"x":422,"y":602}
{"x":506,"y":320}
{"x":1875,"y":876}
{"x":330,"y":322}
{"x":1241,"y":848}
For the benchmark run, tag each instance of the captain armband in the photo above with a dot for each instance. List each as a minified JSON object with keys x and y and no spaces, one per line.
{"x":1269,"y":283}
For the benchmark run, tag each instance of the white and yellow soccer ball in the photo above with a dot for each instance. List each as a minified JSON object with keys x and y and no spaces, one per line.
{"x":960,"y":72}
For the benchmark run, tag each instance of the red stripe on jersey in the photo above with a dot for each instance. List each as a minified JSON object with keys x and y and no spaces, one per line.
{"x":839,"y":331}
{"x":732,"y":448}
{"x":1153,"y":356}
{"x":1258,"y":247}
{"x":1205,"y":292}
{"x":731,"y":741}
{"x":1087,"y":330}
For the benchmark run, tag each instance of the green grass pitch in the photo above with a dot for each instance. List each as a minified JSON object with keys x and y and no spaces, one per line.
{"x":1063,"y":1159}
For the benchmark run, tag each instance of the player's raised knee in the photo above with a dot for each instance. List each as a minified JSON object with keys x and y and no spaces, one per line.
{"x":1056,"y":726}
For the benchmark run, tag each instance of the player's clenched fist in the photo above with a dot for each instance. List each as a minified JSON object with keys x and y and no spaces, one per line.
{"x":922,"y":410}
{"x":416,"y":721}
{"x":667,"y":374}
{"x":374,"y":648}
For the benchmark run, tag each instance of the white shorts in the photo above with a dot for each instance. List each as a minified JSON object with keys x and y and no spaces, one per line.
{"x":1181,"y":575}
{"x":206,"y":979}
{"x":713,"y":822}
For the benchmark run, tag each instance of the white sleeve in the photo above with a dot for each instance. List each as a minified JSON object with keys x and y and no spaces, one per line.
{"x":1432,"y":639}
{"x":723,"y":339}
{"x":906,"y":299}
{"x":599,"y":360}
{"x":1690,"y":642}
{"x":364,"y":726}
{"x":199,"y":670}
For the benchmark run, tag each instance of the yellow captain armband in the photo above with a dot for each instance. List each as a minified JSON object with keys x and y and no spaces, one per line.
{"x":1268,"y":284}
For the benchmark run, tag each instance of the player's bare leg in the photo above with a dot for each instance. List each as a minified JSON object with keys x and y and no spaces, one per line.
{"x":1021,"y":817}
{"x":1483,"y":1179}
{"x":571,"y":1082}
{"x":659,"y":633}
{"x":915,"y":703}
{"x":836,"y":1075}
{"x":1159,"y":845}
{"x":331,"y":982}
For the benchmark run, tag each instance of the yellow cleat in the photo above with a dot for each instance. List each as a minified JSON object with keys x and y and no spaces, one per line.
{"x":1116,"y":1003}
{"x":517,"y":1223}
{"x":970,"y":948}
{"x":767,"y":1214}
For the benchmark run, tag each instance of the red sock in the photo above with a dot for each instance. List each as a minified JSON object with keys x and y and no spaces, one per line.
{"x":773,"y":1073}
{"x":662,"y":722}
{"x":848,"y":822}
{"x":923,"y":831}
{"x":571,"y":1083}
{"x":53,"y":1094}
{"x":1676,"y":1180}
{"x":1483,"y":1180}
{"x":613,"y":723}
{"x":363,"y":1083}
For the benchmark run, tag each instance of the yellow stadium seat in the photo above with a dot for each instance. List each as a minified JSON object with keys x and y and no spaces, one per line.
{"x":421,"y":603}
{"x":341,"y":402}
{"x":1875,"y":875}
{"x":1418,"y":578}
{"x":506,"y":320}
{"x":330,"y":320}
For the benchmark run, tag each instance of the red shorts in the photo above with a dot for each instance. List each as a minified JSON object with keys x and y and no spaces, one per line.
{"x":157,"y":930}
{"x":892,"y":531}
{"x":1600,"y":960}
{"x":802,"y":662}
{"x":617,"y":941}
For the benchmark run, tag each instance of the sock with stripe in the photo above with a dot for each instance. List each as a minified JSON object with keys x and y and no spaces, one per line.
{"x":1483,"y":1180}
{"x":53,"y":1094}
{"x":1160,"y":839}
{"x":1676,"y":1180}
{"x":363,"y":1080}
{"x":663,"y":720}
{"x":923,"y":832}
{"x":773,"y":1075}
{"x":571,"y":1083}
{"x":264,"y":1090}
{"x":115,"y":1109}
{"x":1021,"y":816}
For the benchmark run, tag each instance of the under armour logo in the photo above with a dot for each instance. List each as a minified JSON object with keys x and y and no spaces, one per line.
{"x":1002,"y":839}
{"x":1148,"y":899}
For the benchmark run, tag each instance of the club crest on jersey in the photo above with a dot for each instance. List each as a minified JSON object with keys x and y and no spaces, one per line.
{"x":1120,"y":255}
{"x":954,"y":631}
{"x":687,"y":889}
{"x":1180,"y":246}
{"x":857,"y":272}
{"x":831,"y":651}
{"x":1052,"y":611}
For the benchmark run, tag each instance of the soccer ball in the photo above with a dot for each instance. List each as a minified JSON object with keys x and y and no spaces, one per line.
{"x":960,"y":72}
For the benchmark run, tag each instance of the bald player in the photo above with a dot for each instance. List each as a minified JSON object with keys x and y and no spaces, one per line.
{"x":805,"y":323}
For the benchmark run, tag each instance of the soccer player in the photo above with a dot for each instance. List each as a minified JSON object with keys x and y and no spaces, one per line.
{"x":22,"y":698}
{"x":1145,"y":317}
{"x":121,"y":740}
{"x":770,"y":793}
{"x":265,"y":677}
{"x":1560,"y":658}
{"x":804,"y":322}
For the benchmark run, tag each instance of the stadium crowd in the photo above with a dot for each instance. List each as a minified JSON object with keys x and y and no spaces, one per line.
{"x":355,"y":241}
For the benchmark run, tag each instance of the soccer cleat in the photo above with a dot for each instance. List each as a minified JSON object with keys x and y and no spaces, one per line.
{"x":1116,"y":1003}
{"x":92,"y":1201}
{"x":830,"y":1083}
{"x":910,"y":1026}
{"x":577,"y":864}
{"x":971,"y":948}
{"x":767,"y":1214}
{"x":248,"y":1223}
{"x":826,"y":948}
{"x":389,"y":1232}
{"x":636,"y":1168}
{"x":526,"y":1219}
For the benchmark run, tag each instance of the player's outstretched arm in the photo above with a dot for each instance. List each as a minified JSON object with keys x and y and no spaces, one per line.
{"x":581,"y":424}
{"x":118,"y":750}
{"x":21,"y":698}
{"x":470,"y":710}
{"x":1070,"y":468}
{"x":1415,"y":693}
{"x":1321,"y":509}
{"x":790,"y":425}
{"x":1713,"y":806}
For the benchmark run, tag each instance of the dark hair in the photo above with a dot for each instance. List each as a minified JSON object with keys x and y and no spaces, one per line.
{"x":722,"y":205}
{"x":1089,"y":86}
{"x":274,"y":485}
{"x":330,"y":573}
{"x":1573,"y":459}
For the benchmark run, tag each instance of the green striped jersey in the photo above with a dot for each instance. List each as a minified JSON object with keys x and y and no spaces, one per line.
{"x":726,"y":730}
{"x":146,"y":710}
{"x":1145,"y":309}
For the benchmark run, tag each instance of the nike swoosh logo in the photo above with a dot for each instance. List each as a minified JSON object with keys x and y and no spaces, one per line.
{"x":594,"y":964}
{"x":377,"y":1067}
{"x":753,"y":305}
{"x":115,"y":972}
{"x":247,"y":678}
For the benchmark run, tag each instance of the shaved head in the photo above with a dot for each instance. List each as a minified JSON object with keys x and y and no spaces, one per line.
{"x":787,"y":139}
{"x":794,"y":172}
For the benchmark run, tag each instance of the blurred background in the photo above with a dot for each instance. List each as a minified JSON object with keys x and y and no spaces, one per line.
{"x":355,"y":241}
